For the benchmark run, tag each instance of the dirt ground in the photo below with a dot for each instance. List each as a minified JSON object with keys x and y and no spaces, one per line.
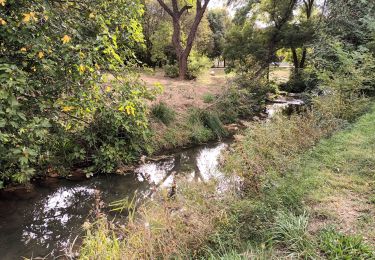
{"x":181,"y":95}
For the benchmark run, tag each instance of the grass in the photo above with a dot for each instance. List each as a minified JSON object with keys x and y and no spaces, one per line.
{"x":335,"y":184}
{"x":312,"y":178}
{"x":208,"y":98}
{"x":163,"y":113}
{"x":335,"y":245}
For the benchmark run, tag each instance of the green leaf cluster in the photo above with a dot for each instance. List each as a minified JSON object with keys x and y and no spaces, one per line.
{"x":67,"y":93}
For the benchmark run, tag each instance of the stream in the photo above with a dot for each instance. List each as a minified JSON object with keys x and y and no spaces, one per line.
{"x":45,"y":221}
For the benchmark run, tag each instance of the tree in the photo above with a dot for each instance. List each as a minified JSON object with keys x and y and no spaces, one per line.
{"x":176,"y":13}
{"x":57,"y":108}
{"x":258,"y":34}
{"x":219,"y":21}
{"x":299,"y":33}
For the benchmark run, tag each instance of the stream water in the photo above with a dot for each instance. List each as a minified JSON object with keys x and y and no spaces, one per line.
{"x":45,"y":221}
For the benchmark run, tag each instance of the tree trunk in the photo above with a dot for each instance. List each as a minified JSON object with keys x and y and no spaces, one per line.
{"x":295,"y":60}
{"x":182,"y":66}
{"x":303,"y":59}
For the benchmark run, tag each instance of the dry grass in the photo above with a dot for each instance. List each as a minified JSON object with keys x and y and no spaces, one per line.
{"x":163,"y":228}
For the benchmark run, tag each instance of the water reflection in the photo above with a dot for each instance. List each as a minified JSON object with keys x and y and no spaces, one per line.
{"x":47,"y":222}
{"x":53,"y":213}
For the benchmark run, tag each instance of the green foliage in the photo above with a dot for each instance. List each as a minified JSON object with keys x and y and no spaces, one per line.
{"x":209,"y":120}
{"x":57,"y":108}
{"x":219,"y":22}
{"x":171,"y":71}
{"x":345,"y":76}
{"x":336,"y":245}
{"x":291,"y":231}
{"x":162,"y":112}
{"x":234,"y":104}
{"x":208,"y":98}
{"x":302,"y":81}
{"x":197,"y":64}
{"x":159,"y":44}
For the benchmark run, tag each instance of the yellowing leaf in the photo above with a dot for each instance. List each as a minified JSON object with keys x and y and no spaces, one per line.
{"x":91,"y":15}
{"x":67,"y":108}
{"x":2,"y":2}
{"x":107,"y":89}
{"x":27,"y":17}
{"x":130,"y":110}
{"x":66,"y":39}
{"x":2,"y":21}
{"x":40,"y":55}
{"x":23,"y":49}
{"x":81,"y":69}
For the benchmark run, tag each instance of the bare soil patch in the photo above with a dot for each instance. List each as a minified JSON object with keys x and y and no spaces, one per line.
{"x":181,"y":95}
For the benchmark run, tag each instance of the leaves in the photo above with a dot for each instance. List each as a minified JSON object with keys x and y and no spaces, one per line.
{"x":54,"y":108}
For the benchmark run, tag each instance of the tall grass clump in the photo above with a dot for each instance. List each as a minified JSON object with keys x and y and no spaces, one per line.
{"x":163,"y":113}
{"x":209,"y":119}
{"x":290,"y":230}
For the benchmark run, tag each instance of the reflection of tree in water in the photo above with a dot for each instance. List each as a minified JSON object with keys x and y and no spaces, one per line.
{"x":52,"y":220}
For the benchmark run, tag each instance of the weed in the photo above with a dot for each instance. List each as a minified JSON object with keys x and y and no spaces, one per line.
{"x":208,"y":98}
{"x":291,"y":231}
{"x":335,"y":245}
{"x":162,"y":112}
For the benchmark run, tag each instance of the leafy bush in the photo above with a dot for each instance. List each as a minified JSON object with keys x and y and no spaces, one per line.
{"x":171,"y":71}
{"x":162,"y":112}
{"x":335,"y":245}
{"x":197,"y":64}
{"x":55,"y":102}
{"x":237,"y":103}
{"x":303,"y":81}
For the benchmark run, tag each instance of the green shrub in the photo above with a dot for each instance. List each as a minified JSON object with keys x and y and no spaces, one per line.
{"x":237,"y":103}
{"x":208,"y":98}
{"x":163,"y":113}
{"x":171,"y":71}
{"x":335,"y":245}
{"x":54,"y":96}
{"x":209,"y":120}
{"x":197,"y":64}
{"x":303,"y":81}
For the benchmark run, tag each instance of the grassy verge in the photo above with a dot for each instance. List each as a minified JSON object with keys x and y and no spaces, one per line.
{"x":307,"y":192}
{"x":314,"y":204}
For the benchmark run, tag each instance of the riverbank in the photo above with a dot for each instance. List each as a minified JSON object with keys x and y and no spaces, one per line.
{"x":300,"y":204}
